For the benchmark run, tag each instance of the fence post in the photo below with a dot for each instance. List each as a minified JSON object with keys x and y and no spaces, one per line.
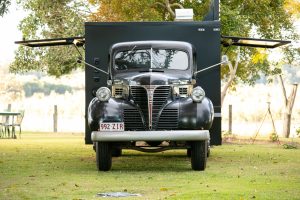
{"x":9,"y":107}
{"x":55,"y":119}
{"x":230,"y":119}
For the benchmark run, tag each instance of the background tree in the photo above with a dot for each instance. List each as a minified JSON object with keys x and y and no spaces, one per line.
{"x":288,"y":106}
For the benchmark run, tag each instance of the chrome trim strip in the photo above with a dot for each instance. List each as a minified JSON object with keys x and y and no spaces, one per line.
{"x":182,"y":135}
{"x":217,"y":115}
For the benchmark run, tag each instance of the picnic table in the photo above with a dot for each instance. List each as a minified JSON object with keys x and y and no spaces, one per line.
{"x":10,"y":119}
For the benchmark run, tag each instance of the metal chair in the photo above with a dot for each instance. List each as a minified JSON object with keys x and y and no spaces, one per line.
{"x":2,"y":122}
{"x":4,"y":128}
{"x":13,"y":124}
{"x":18,"y":123}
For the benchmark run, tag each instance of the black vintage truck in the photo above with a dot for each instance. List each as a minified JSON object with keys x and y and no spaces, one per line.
{"x":151,"y":103}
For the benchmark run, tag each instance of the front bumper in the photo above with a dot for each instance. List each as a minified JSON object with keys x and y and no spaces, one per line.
{"x":127,"y":136}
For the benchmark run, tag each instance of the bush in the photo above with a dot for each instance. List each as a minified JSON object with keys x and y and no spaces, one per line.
{"x":290,"y":146}
{"x":273,"y":137}
{"x":298,"y":132}
{"x":46,"y":88}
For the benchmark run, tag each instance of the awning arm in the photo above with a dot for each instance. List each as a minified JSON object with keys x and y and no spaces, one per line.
{"x":252,"y":42}
{"x":78,"y":41}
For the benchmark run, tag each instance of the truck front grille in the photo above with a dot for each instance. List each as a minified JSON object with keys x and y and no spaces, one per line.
{"x":142,"y":97}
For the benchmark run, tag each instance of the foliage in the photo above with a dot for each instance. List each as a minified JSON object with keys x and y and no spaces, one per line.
{"x":129,"y":10}
{"x":4,"y":4}
{"x":274,"y":137}
{"x":292,"y":7}
{"x":48,"y":19}
{"x":34,"y":87}
{"x":298,"y":132}
{"x":143,"y":10}
{"x":290,"y":146}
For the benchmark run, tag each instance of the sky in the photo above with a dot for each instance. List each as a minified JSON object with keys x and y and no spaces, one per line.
{"x":9,"y":33}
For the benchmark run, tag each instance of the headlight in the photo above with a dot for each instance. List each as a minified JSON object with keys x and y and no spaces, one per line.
{"x":103,"y":94}
{"x":198,"y":94}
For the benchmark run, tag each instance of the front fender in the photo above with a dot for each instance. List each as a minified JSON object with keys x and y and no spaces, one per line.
{"x":110,"y":111}
{"x":192,"y":115}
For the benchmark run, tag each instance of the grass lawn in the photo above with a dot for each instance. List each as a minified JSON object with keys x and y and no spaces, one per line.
{"x":61,"y":166}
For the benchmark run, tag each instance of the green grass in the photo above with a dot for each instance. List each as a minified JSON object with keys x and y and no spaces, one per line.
{"x":61,"y":166}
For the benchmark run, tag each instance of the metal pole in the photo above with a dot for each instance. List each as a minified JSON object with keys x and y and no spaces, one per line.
{"x":9,"y":107}
{"x":55,"y":119}
{"x":230,"y":119}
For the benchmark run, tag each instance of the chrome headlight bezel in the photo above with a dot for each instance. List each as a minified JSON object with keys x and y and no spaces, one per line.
{"x":198,"y":94}
{"x":103,"y":94}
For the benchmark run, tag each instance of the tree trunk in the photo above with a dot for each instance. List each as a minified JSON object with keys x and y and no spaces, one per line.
{"x":288,"y":107}
{"x":287,"y":124}
{"x":232,"y":73}
{"x":168,"y":6}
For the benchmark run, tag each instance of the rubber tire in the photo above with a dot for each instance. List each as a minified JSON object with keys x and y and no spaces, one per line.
{"x":103,"y":156}
{"x":208,"y":148}
{"x":116,"y":152}
{"x":208,"y":151}
{"x":199,"y":155}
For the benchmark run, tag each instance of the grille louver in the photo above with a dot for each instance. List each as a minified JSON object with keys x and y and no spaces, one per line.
{"x":160,"y":97}
{"x":168,"y":120}
{"x":183,"y":91}
{"x":139,"y":95}
{"x":132,"y":120}
{"x":118,"y":91}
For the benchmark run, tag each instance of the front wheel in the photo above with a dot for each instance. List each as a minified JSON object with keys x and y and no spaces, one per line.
{"x":103,"y":156}
{"x":199,"y":155}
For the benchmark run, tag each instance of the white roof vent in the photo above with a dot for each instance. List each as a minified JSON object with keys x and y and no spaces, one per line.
{"x":184,"y":14}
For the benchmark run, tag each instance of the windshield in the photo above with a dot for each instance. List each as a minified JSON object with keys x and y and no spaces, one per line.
{"x":153,"y":58}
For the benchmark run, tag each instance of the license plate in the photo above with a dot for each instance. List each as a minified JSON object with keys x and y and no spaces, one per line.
{"x":112,"y":126}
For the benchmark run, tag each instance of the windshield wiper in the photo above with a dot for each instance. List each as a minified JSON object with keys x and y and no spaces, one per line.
{"x":151,"y":70}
